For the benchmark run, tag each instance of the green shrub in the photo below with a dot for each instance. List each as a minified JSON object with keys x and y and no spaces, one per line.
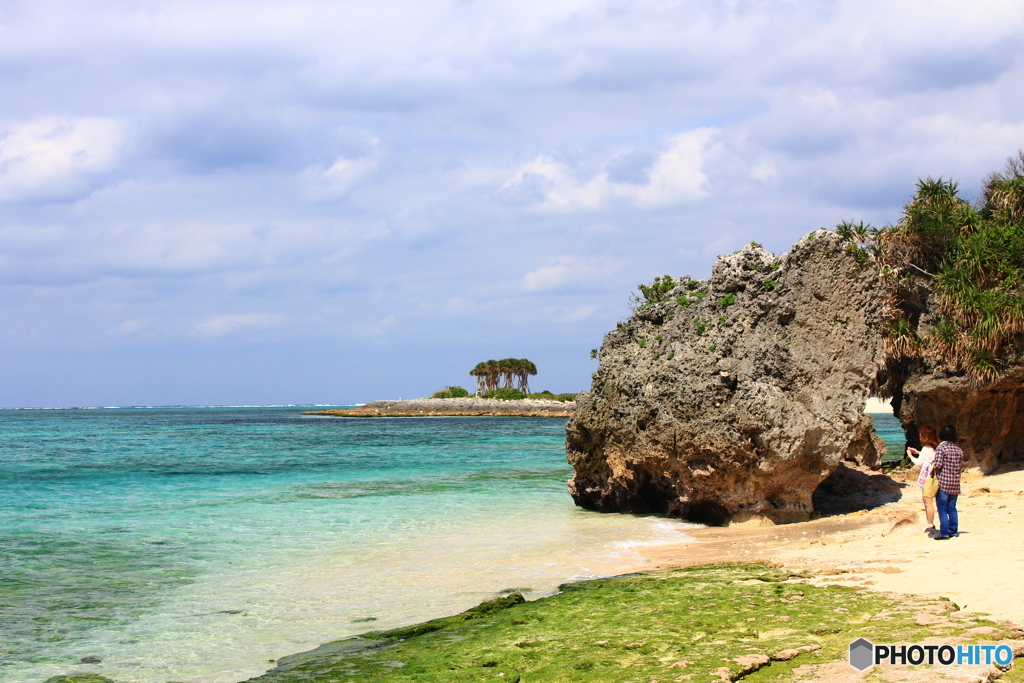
{"x":641,"y":343}
{"x":654,"y":293}
{"x":548,"y":396}
{"x":768,"y":284}
{"x":727,"y":301}
{"x":505,"y":394}
{"x":700,"y":327}
{"x":451,"y":392}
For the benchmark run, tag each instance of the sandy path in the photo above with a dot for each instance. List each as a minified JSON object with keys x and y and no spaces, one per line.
{"x":886,"y":549}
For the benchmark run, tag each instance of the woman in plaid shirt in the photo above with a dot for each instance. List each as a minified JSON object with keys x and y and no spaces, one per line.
{"x":949,"y":460}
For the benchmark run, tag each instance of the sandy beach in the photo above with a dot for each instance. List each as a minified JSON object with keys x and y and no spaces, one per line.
{"x":887,"y":549}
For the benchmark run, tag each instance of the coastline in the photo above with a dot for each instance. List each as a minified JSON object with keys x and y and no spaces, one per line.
{"x":455,"y":407}
{"x":960,"y":591}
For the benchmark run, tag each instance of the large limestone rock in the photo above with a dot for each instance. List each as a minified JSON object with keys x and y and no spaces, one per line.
{"x":740,"y":404}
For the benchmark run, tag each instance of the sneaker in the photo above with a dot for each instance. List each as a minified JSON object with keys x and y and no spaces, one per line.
{"x":942,"y":538}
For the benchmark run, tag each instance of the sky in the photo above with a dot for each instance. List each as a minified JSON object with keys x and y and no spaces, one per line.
{"x":237,"y":203}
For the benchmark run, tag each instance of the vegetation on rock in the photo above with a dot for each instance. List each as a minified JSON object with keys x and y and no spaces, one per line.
{"x":656,"y":292}
{"x":954,"y":276}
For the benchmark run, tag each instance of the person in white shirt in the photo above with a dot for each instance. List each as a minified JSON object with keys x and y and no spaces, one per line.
{"x":929,"y":440}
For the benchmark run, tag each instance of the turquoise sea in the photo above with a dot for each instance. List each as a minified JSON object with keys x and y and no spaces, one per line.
{"x":889,"y":428}
{"x":200,"y":544}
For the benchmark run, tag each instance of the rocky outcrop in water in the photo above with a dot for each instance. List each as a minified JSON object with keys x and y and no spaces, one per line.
{"x":734,"y":398}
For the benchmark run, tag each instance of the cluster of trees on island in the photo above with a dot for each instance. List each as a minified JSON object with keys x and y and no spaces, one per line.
{"x":510,"y":373}
{"x":508,"y":378}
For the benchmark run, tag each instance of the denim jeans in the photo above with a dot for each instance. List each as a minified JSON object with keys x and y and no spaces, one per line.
{"x":945,"y":505}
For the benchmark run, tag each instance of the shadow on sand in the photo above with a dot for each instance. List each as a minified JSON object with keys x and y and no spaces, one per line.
{"x":848,"y":490}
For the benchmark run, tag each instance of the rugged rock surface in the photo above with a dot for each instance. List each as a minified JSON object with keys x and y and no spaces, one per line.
{"x":989,"y":417}
{"x":738,"y":396}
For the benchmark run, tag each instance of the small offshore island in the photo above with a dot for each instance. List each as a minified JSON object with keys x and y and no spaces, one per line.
{"x":502,"y":390}
{"x":456,"y":407}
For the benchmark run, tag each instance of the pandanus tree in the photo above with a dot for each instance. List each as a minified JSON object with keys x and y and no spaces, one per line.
{"x":526,"y":368}
{"x":486,"y":374}
{"x":961,"y":262}
{"x":507,"y":372}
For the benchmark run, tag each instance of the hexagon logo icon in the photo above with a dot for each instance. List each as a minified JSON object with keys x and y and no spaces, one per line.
{"x":862,"y":654}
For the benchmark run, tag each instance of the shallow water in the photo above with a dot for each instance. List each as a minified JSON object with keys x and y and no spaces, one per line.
{"x":198,"y":544}
{"x":890,"y":429}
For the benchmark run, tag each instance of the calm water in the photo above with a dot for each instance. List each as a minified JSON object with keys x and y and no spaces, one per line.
{"x":889,"y":428}
{"x":198,"y":544}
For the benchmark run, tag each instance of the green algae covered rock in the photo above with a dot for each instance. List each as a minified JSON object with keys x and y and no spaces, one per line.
{"x":79,"y":678}
{"x":718,"y":622}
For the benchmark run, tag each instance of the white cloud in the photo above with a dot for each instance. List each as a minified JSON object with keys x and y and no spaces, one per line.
{"x":578,"y":314}
{"x":52,"y":158}
{"x":330,"y":182}
{"x":220,"y":325}
{"x":674,"y":176}
{"x":548,"y":277}
{"x":568,"y":272}
{"x":133,"y":326}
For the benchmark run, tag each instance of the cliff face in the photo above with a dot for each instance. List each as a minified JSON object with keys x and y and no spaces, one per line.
{"x":989,"y":417}
{"x":738,"y":396}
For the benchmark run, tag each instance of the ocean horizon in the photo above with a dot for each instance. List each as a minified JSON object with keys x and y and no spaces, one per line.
{"x":201,"y":544}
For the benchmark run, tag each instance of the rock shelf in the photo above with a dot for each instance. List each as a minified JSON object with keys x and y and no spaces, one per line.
{"x":455,"y":407}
